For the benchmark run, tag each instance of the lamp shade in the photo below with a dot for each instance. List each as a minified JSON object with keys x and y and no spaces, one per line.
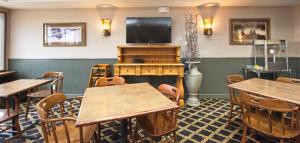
{"x":208,"y":9}
{"x":106,"y":11}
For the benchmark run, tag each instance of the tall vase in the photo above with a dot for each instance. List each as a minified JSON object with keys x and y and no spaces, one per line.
{"x":193,"y":79}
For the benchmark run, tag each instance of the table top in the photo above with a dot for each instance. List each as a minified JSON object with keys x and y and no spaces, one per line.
{"x":6,"y":73}
{"x":17,"y":86}
{"x":268,"y":88}
{"x":100,"y":104}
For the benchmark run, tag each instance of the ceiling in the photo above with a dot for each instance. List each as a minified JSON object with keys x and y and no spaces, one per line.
{"x":38,"y":4}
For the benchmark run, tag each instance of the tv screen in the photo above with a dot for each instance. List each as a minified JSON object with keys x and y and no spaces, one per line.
{"x":148,"y":30}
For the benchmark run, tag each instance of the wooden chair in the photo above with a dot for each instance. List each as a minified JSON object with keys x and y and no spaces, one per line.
{"x":60,"y":129}
{"x":56,"y":87}
{"x":103,"y":81}
{"x":271,"y":117}
{"x":161,"y":123}
{"x":111,"y":81}
{"x":288,"y":80}
{"x":10,"y":114}
{"x":233,"y":93}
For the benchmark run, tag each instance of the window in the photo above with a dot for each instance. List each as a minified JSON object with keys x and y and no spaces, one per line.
{"x":2,"y":41}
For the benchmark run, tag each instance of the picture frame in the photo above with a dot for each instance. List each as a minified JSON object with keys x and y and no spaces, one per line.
{"x":64,"y":34}
{"x":244,"y":31}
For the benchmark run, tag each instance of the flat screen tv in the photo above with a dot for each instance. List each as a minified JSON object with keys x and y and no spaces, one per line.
{"x":148,"y":30}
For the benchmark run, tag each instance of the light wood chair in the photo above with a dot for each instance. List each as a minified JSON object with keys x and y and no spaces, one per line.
{"x":10,"y":114}
{"x":234,"y":94}
{"x":271,"y":117}
{"x":161,"y":123}
{"x":56,"y":87}
{"x":103,"y":81}
{"x":288,"y":80}
{"x":111,"y":81}
{"x":61,"y":129}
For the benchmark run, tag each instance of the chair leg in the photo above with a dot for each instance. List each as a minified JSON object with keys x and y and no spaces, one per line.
{"x":282,"y":141}
{"x":244,"y":134}
{"x":19,"y":129}
{"x":27,"y":107}
{"x":174,"y":136}
{"x":230,"y":114}
{"x":129,"y":127}
{"x":99,"y":133}
{"x":136,"y":133}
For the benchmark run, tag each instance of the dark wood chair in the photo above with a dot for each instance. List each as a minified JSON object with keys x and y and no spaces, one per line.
{"x":271,"y":117}
{"x":10,"y":114}
{"x":161,"y":123}
{"x":56,"y":87}
{"x":111,"y":81}
{"x":234,"y":94}
{"x":103,"y":81}
{"x":61,"y":129}
{"x":288,"y":80}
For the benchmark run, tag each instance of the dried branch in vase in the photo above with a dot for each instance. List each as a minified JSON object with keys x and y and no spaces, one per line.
{"x":191,"y":35}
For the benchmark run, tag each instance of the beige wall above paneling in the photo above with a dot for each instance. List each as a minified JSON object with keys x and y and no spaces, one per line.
{"x":27,"y":31}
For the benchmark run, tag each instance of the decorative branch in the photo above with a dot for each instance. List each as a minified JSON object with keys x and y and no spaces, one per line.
{"x":191,"y":36}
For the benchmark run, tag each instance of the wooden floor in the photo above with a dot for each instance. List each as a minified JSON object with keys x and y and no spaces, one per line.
{"x":203,"y":124}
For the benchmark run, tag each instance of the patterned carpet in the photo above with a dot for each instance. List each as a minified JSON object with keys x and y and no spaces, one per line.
{"x":203,"y":124}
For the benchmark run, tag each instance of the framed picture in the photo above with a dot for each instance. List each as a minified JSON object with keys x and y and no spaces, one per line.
{"x":64,"y":34}
{"x":245,"y":31}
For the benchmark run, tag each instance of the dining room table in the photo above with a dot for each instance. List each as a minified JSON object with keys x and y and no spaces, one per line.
{"x":271,"y":89}
{"x":111,"y":103}
{"x":15,"y":88}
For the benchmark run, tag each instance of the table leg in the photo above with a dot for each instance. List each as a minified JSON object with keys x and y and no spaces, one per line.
{"x":81,"y":134}
{"x":179,"y":84}
{"x":124,"y":131}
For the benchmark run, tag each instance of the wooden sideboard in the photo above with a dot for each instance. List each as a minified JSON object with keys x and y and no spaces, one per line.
{"x":151,"y":60}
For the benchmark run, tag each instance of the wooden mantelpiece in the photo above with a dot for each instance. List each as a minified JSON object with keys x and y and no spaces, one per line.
{"x":159,"y":60}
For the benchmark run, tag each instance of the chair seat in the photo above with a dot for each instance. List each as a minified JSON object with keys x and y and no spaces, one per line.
{"x":163,"y":125}
{"x":4,"y":116}
{"x":73,"y":132}
{"x":40,"y":94}
{"x":263,"y":126}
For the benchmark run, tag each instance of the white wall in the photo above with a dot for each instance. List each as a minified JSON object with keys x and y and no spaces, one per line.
{"x":297,"y":30}
{"x":27,"y":31}
{"x":297,"y":23}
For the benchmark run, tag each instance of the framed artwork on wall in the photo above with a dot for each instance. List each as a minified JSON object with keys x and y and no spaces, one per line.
{"x":245,"y":31}
{"x":64,"y":34}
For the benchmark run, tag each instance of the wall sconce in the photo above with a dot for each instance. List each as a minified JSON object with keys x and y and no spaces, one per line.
{"x":106,"y":27}
{"x":106,"y":13}
{"x":207,"y":22}
{"x":207,"y":12}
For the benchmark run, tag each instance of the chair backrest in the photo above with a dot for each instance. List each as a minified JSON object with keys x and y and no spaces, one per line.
{"x":233,"y":93}
{"x":48,"y":119}
{"x":58,"y":78}
{"x":288,"y":80}
{"x":171,"y":92}
{"x":109,"y":81}
{"x":270,"y":116}
{"x":166,"y":121}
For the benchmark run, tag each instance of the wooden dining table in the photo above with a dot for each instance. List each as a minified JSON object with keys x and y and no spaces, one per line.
{"x":14,"y":88}
{"x":102,"y":104}
{"x":268,"y":88}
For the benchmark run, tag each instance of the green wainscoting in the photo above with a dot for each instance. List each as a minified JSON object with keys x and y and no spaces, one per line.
{"x":77,"y":72}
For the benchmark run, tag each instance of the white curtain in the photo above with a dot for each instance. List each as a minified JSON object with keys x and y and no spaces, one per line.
{"x":2,"y":39}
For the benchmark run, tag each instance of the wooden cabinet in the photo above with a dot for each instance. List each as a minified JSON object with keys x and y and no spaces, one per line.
{"x":151,"y":60}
